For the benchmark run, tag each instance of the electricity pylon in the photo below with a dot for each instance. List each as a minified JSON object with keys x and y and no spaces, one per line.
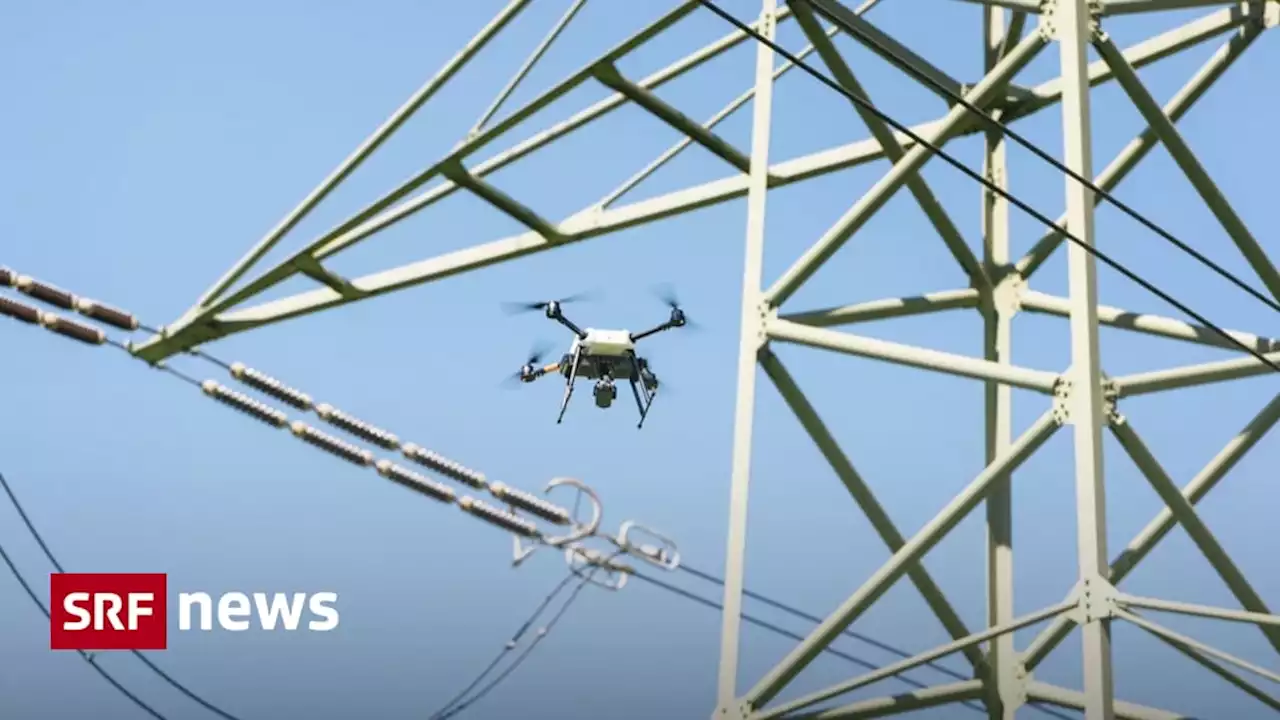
{"x":1081,"y":396}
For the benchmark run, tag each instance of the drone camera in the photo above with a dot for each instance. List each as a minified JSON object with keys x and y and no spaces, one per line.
{"x":605,"y":392}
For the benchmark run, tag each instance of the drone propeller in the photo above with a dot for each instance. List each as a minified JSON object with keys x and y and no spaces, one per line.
{"x":536,"y":356}
{"x":667,"y":295}
{"x":513,"y":308}
{"x":539,"y":352}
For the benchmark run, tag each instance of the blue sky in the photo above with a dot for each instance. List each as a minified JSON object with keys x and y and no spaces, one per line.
{"x":149,"y":144}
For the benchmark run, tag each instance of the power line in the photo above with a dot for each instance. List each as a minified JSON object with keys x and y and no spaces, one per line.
{"x":776,"y":629}
{"x":906,"y":66}
{"x":525,"y":654}
{"x":993,"y":187}
{"x":448,"y":712}
{"x":53,"y":560}
{"x":853,"y":659}
{"x":22,"y":580}
{"x":810,"y":617}
{"x":511,"y":644}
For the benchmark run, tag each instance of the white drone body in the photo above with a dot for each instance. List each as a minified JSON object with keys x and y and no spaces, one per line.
{"x":603,"y":343}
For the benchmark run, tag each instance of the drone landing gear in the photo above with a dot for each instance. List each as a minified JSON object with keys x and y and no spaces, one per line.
{"x":568,"y":388}
{"x":641,"y":405}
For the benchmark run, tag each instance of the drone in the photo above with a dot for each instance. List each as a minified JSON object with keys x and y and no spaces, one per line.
{"x":604,"y":356}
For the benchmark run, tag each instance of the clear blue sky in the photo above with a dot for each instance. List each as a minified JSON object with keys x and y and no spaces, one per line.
{"x":147,"y":145}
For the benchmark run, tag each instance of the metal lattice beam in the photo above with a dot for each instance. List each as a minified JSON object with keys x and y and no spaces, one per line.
{"x":1080,"y":396}
{"x":226,"y":308}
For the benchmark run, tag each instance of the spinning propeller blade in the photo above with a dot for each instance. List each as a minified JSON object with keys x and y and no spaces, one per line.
{"x":536,"y":355}
{"x":513,"y":308}
{"x":667,"y":294}
{"x":539,"y":352}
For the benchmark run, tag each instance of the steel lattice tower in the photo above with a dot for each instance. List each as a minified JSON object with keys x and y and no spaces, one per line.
{"x":1081,"y":396}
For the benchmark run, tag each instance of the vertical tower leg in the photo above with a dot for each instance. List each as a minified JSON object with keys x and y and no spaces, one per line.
{"x":751,"y":339}
{"x":1075,"y":27}
{"x":1002,"y":681}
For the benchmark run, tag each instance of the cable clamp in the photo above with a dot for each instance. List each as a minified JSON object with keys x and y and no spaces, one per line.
{"x":589,"y":564}
{"x":662,"y":553}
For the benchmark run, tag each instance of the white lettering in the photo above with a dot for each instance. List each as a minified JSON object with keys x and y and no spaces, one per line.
{"x":280,"y":606}
{"x":236,"y":613}
{"x":136,"y":608}
{"x":112,"y":613}
{"x":319,"y":607}
{"x":71,"y":604}
{"x":185,"y":601}
{"x":236,"y":604}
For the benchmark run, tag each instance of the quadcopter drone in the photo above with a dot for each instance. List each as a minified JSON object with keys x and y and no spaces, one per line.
{"x":601,"y":355}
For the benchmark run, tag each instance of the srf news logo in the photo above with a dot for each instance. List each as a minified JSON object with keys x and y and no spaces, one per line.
{"x":130,"y":611}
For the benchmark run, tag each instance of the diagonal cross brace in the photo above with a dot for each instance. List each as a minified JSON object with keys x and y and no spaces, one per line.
{"x":1185,"y":157}
{"x":1155,"y":531}
{"x":984,"y":92}
{"x":509,"y":206}
{"x":888,"y":671}
{"x":364,"y":151}
{"x":1185,"y":514}
{"x":1153,"y":49}
{"x":892,"y":149}
{"x":609,"y":75}
{"x":864,"y":497}
{"x":910,"y":555}
{"x":1217,"y":669}
{"x":1138,"y":148}
{"x":1113,"y":8}
{"x":882,"y":44}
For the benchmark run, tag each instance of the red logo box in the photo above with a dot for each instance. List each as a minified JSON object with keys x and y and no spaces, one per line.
{"x":108,"y":611}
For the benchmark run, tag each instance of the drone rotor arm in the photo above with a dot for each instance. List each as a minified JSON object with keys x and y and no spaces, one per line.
{"x":636,"y":337}
{"x":544,"y":370}
{"x":554,"y":312}
{"x":528,"y":374}
{"x":676,"y":320}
